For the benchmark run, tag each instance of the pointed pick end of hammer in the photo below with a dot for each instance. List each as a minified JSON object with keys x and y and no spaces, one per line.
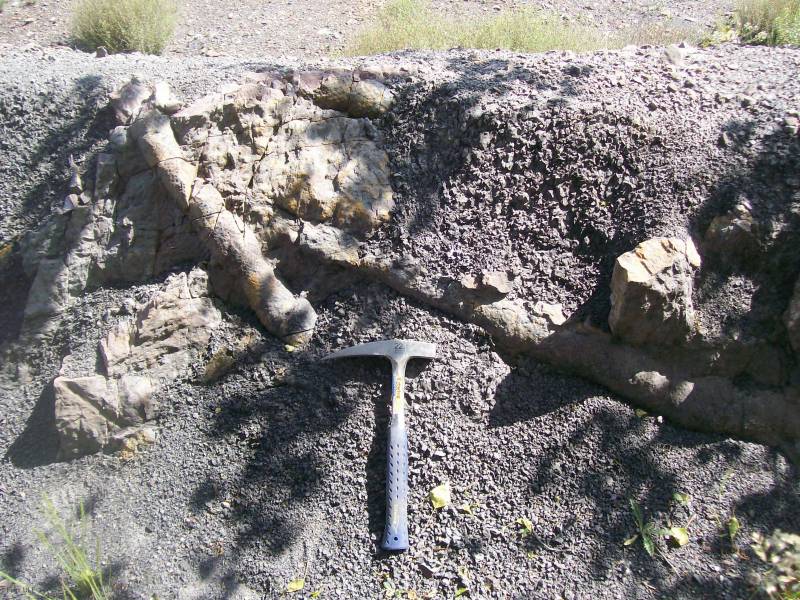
{"x":393,"y":349}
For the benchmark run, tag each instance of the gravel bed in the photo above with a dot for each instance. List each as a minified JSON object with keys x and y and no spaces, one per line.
{"x":276,"y":473}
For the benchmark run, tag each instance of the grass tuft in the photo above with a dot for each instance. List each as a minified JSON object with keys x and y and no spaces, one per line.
{"x":769,"y":22}
{"x":83,"y":578}
{"x":124,"y":25}
{"x":413,"y":25}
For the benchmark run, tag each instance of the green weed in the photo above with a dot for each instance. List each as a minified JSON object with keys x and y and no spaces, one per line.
{"x":760,"y":22}
{"x":129,"y":26}
{"x":733,"y":527}
{"x":647,"y":532}
{"x":770,"y":22}
{"x":412,"y":24}
{"x":82,"y":578}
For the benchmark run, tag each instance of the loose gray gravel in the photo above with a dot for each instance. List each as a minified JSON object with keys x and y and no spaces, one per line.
{"x":276,"y":471}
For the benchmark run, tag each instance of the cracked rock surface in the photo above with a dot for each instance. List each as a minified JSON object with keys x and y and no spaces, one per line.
{"x":656,"y":275}
{"x":164,"y":337}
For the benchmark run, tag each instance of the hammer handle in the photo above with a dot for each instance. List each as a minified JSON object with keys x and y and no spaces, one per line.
{"x":396,"y":534}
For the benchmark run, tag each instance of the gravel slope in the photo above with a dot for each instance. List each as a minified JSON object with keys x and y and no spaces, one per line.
{"x":276,"y":471}
{"x":310,"y":30}
{"x":551,"y":166}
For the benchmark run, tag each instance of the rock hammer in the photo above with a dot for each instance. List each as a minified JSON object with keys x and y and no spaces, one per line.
{"x":399,"y":352}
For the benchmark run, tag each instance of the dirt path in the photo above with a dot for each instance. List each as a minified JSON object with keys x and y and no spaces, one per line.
{"x":307,"y":29}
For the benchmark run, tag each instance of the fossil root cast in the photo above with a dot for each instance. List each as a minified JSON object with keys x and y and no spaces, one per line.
{"x":230,"y":240}
{"x":684,"y":386}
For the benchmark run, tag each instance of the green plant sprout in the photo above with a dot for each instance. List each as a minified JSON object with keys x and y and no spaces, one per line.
{"x":82,"y":577}
{"x":647,"y":532}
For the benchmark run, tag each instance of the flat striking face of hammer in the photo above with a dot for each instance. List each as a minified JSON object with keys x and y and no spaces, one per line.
{"x":398,"y":352}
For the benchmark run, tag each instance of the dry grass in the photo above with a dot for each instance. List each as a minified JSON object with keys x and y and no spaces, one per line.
{"x":770,"y":22}
{"x":411,"y":24}
{"x":124,"y":25}
{"x":82,"y":577}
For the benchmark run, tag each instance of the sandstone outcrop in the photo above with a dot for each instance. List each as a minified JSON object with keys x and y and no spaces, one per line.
{"x":651,"y":292}
{"x":165,"y":337}
{"x":270,"y":147}
{"x":247,"y":163}
{"x":286,"y":187}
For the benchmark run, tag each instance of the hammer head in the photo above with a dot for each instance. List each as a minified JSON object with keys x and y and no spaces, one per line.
{"x":398,"y":351}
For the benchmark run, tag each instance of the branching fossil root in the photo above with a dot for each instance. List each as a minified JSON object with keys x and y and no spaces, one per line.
{"x":231,"y":241}
{"x":696,"y":398}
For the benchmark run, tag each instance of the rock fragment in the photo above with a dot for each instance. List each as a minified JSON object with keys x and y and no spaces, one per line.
{"x":791,"y":124}
{"x":651,"y":292}
{"x":488,"y":285}
{"x":108,"y":410}
{"x":732,"y":238}
{"x":347,"y":92}
{"x":89,"y":410}
{"x":554,"y":313}
{"x":165,"y":99}
{"x":75,"y":182}
{"x":169,"y":331}
{"x":127,"y":101}
{"x":139,"y":95}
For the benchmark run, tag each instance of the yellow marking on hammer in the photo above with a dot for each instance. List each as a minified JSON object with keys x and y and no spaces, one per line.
{"x":398,"y":401}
